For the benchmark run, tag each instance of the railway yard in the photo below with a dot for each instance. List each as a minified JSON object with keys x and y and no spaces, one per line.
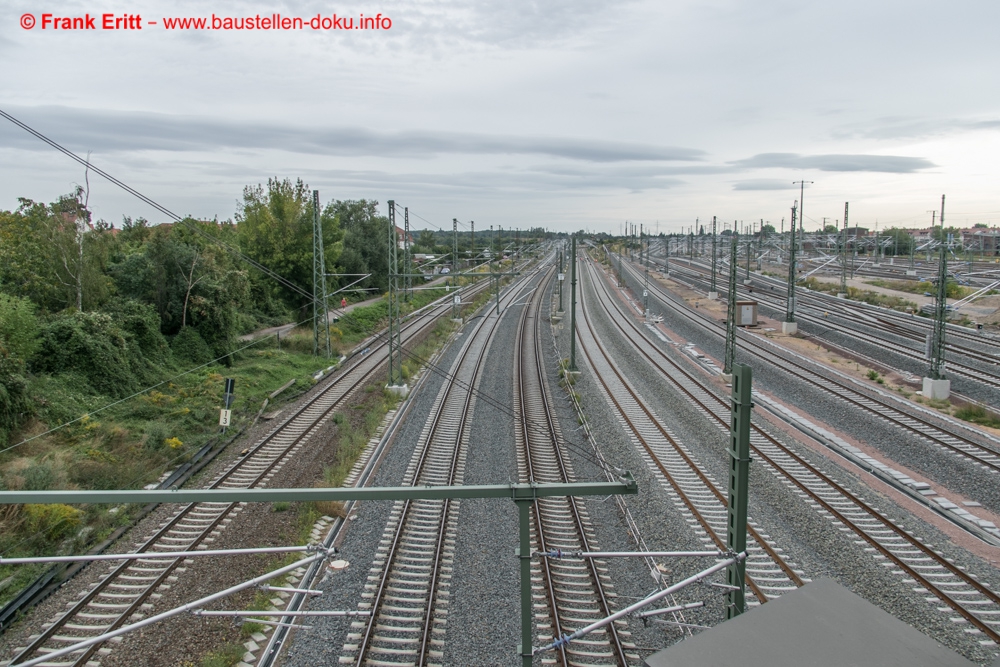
{"x":854,"y":476}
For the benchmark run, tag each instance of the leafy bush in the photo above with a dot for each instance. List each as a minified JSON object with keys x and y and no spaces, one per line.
{"x":190,"y":346}
{"x":112,"y":356}
{"x":14,"y":401}
{"x":38,"y":477}
{"x":53,"y":521}
{"x":18,"y":326}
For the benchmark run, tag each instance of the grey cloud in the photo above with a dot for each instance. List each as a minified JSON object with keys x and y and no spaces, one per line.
{"x":107,"y":131}
{"x":764,"y":184}
{"x":900,"y":127}
{"x":895,"y":164}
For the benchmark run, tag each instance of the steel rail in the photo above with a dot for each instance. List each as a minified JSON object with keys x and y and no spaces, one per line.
{"x":530,"y":372}
{"x":438,"y":431}
{"x":720,"y":497}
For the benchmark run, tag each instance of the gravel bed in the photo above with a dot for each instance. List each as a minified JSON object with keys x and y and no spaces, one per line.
{"x":323,"y":644}
{"x":484,"y":586}
{"x":815,"y":543}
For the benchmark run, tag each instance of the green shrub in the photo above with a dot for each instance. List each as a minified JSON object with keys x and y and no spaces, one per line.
{"x":38,"y":477}
{"x":190,"y":346}
{"x":977,"y":415}
{"x":18,"y":326}
{"x":53,"y":521}
{"x":116,"y":359}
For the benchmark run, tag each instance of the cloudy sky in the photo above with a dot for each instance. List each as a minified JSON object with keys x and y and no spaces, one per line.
{"x":565,"y":114}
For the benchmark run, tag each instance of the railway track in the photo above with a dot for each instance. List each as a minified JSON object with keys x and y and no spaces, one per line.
{"x":574,"y":593}
{"x":407,"y":589}
{"x":986,"y":456}
{"x":925,"y":570}
{"x":129,"y":590}
{"x":979,"y":365}
{"x":693,"y":490}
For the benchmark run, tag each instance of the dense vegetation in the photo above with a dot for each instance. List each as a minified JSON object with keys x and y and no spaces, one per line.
{"x":117,"y":339}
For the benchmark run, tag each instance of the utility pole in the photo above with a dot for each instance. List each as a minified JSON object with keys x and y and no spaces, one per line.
{"x":472,"y":243}
{"x":727,"y":368}
{"x":319,"y":282}
{"x":572,"y":306}
{"x":936,"y":386}
{"x":395,"y":384}
{"x":739,"y":482}
{"x":454,"y":268}
{"x":790,"y":326}
{"x":713,"y":292}
{"x":843,"y":262}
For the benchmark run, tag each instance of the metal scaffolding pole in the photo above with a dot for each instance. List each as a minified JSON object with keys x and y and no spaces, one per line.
{"x":731,"y":308}
{"x":321,"y":310}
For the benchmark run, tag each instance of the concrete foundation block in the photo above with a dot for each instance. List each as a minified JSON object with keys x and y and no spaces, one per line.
{"x":789,"y":328}
{"x":937,"y":390}
{"x":712,"y":296}
{"x":401,"y":390}
{"x":726,"y":377}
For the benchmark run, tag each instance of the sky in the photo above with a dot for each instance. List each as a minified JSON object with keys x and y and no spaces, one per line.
{"x":565,"y":115}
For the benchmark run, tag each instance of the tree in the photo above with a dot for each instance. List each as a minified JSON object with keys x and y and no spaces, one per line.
{"x":366,"y":242}
{"x":275,"y":227}
{"x":768,"y":229}
{"x":831,"y":229}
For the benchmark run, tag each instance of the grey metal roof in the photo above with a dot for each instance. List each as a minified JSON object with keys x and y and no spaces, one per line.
{"x":821,"y":624}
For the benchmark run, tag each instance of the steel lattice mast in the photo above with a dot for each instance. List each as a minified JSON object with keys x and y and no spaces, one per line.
{"x":940,"y":307}
{"x":843,"y":255}
{"x":407,"y":264}
{"x":731,"y":308}
{"x":714,"y":289}
{"x":790,"y":303}
{"x":395,"y":339}
{"x":319,"y":281}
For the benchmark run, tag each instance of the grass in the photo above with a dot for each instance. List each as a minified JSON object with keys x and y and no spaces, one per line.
{"x":954,"y":290}
{"x":977,"y":415}
{"x":866,"y":296}
{"x":225,"y":656}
